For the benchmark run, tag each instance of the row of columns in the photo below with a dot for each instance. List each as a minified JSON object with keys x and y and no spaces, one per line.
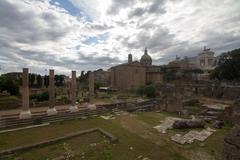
{"x":26,"y":113}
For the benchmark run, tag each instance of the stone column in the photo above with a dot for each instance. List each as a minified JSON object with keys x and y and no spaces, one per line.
{"x":51,"y":91}
{"x":25,"y":113}
{"x":73,"y":107}
{"x":91,"y":91}
{"x":91,"y":87}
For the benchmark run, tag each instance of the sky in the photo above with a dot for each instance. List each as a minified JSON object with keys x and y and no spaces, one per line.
{"x":87,"y":35}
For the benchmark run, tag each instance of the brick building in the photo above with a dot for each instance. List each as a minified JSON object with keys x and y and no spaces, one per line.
{"x":134,"y":73}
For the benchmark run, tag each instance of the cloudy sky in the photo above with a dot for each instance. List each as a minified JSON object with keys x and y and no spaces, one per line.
{"x":90,"y":34}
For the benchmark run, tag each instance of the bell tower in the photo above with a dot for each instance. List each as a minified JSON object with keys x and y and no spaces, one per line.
{"x":129,"y":58}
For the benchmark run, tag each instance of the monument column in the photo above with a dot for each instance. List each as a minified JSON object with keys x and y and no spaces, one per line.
{"x":91,"y":91}
{"x":25,"y":113}
{"x":73,"y":107}
{"x":51,"y":91}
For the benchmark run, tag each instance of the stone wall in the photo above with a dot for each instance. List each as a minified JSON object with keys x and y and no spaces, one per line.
{"x":126,"y":77}
{"x":231,"y":145}
{"x":170,"y":99}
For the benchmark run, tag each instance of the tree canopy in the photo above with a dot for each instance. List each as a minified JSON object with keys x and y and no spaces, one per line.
{"x":228,"y":66}
{"x":9,"y":84}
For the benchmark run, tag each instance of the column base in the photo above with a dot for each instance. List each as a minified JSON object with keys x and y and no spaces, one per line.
{"x":73,"y":109}
{"x":25,"y":114}
{"x":91,"y":106}
{"x":51,"y":111}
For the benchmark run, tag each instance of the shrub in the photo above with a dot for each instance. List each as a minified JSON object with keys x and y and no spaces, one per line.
{"x":40,"y":97}
{"x":148,"y":90}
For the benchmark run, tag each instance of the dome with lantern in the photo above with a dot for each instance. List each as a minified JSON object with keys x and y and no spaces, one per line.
{"x":146,"y":60}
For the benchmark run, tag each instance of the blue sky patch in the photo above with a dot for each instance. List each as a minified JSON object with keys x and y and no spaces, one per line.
{"x":94,"y":40}
{"x":72,"y":10}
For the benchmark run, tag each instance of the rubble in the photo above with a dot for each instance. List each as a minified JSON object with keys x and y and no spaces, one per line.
{"x":193,"y":135}
{"x":231,"y":145}
{"x":166,"y":124}
{"x":218,"y":124}
{"x":108,"y":117}
{"x":193,"y":123}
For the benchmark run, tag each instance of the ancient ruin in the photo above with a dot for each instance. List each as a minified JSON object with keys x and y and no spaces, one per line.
{"x":51,"y":90}
{"x":25,"y":113}
{"x":73,"y":107}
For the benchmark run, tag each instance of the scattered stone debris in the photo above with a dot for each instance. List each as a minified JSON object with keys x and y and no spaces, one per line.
{"x":218,"y":124}
{"x":84,"y":117}
{"x":231,"y":145}
{"x":193,"y":123}
{"x":108,"y":117}
{"x":193,"y":135}
{"x":218,"y":106}
{"x":166,"y":124}
{"x":92,"y":106}
{"x":232,"y":113}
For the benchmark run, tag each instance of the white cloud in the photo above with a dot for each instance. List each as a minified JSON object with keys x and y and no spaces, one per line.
{"x":40,"y":35}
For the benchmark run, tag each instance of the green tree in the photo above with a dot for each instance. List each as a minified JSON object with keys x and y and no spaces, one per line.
{"x":46,"y":81}
{"x":39,"y":80}
{"x":228,"y":66}
{"x":31,"y":79}
{"x":148,"y":90}
{"x":9,"y":84}
{"x":59,"y":80}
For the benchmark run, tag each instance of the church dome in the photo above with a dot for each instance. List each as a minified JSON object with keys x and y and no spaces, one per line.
{"x":146,"y":60}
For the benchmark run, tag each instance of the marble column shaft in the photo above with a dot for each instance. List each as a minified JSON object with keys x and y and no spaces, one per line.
{"x":91,"y":87}
{"x":73,"y":88}
{"x":51,"y":89}
{"x":25,"y":90}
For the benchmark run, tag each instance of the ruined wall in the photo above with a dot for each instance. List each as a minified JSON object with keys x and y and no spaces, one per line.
{"x":126,"y":77}
{"x":170,"y":98}
{"x":231,"y":145}
{"x":154,"y":77}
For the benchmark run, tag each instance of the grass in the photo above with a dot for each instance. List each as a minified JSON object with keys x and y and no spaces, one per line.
{"x":130,"y":145}
{"x":119,"y":151}
{"x":212,"y":146}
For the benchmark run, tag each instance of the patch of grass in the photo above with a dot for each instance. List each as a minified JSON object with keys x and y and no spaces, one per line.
{"x":130,"y":145}
{"x":212,"y":146}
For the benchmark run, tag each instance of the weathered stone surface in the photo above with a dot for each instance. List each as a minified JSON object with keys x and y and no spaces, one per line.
{"x":25,"y":96}
{"x":182,"y":124}
{"x":218,"y":124}
{"x":51,"y":90}
{"x":73,"y":107}
{"x":232,"y":113}
{"x":91,"y":87}
{"x":231,"y":145}
{"x":193,"y":135}
{"x":166,"y":124}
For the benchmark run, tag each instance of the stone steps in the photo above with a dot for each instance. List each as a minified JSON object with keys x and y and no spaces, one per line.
{"x":42,"y":117}
{"x":37,"y":119}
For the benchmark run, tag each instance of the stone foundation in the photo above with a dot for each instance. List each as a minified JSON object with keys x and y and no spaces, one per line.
{"x":92,"y":106}
{"x":25,"y":114}
{"x":73,"y":109}
{"x":231,"y":145}
{"x":52,"y":111}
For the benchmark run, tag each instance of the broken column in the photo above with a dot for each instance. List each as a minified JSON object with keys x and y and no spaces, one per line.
{"x":91,"y":91}
{"x":25,"y":113}
{"x":51,"y":91}
{"x":73,"y":107}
